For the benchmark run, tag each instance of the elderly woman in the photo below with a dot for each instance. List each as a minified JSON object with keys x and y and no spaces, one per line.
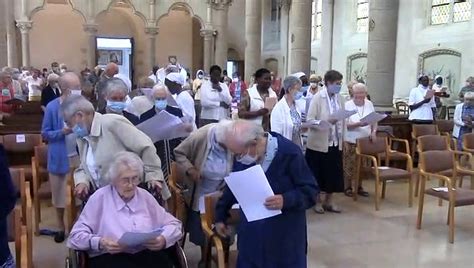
{"x":314,"y":82}
{"x":285,"y":118}
{"x":122,"y":207}
{"x":252,"y":104}
{"x":324,"y":146}
{"x":115,"y":95}
{"x":51,"y":91}
{"x":215,"y":98}
{"x":356,"y":130}
{"x":463,"y":118}
{"x":279,"y":241}
{"x":100,"y":138}
{"x":61,"y":148}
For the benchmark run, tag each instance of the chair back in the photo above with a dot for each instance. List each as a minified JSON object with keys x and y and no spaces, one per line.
{"x":450,"y":111}
{"x":402,"y":107}
{"x":20,"y":147}
{"x":422,"y":130}
{"x":41,"y":155}
{"x":1,"y":139}
{"x":445,"y":126}
{"x":14,"y":224}
{"x":433,"y":143}
{"x":210,"y":202}
{"x":436,"y":161}
{"x":468,"y":141}
{"x":372,"y":147}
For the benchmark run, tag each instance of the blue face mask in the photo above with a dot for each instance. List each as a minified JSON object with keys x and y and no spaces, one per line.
{"x":116,"y":106}
{"x":80,"y":131}
{"x":298,"y":95}
{"x":161,"y":104}
{"x":334,"y":89}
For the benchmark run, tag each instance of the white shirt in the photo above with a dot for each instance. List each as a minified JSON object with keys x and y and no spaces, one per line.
{"x":424,"y":112}
{"x":257,"y":103}
{"x":186,"y":103}
{"x":34,"y":86}
{"x":362,"y":111}
{"x":211,"y":99}
{"x":280,"y":119}
{"x":90,"y":163}
{"x":154,"y":78}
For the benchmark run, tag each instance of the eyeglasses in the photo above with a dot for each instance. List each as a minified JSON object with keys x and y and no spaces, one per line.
{"x":135,"y":180}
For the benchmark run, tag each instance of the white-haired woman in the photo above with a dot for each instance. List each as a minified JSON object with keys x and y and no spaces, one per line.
{"x":116,"y":96}
{"x":285,"y":118}
{"x":119,"y":208}
{"x":356,"y":130}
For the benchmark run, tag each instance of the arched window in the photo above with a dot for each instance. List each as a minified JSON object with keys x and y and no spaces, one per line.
{"x":362,"y":16}
{"x":316,"y":19}
{"x":447,"y":11}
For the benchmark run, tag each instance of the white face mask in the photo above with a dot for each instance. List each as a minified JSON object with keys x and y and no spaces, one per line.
{"x":76,"y":92}
{"x":247,"y":159}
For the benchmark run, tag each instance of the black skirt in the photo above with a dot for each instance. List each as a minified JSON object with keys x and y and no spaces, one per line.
{"x":327,"y":169}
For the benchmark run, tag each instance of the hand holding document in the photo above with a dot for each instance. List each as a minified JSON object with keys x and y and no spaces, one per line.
{"x":316,"y":124}
{"x":373,"y":118}
{"x":250,"y":187}
{"x":341,"y":114}
{"x":131,"y":239}
{"x":270,"y":103}
{"x":163,"y":126}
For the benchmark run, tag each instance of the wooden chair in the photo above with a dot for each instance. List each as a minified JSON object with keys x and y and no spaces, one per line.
{"x":41,"y":186}
{"x":20,"y":149}
{"x":71,"y":206}
{"x":402,"y":107}
{"x":177,"y":205}
{"x":17,"y":233}
{"x":450,"y":111}
{"x":25,"y":210}
{"x":225,"y":258}
{"x":371,"y":150}
{"x":445,"y":126}
{"x":432,"y":163}
{"x":468,"y":142}
{"x":421,"y":130}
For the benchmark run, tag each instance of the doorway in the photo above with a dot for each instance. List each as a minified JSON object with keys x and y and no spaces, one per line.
{"x":120,"y":51}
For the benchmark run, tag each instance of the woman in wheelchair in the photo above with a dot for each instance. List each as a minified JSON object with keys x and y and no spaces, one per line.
{"x":119,"y":208}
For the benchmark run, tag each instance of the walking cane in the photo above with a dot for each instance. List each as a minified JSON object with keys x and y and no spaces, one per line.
{"x":190,"y":209}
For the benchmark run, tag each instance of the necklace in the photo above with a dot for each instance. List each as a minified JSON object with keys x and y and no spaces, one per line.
{"x":358,"y":111}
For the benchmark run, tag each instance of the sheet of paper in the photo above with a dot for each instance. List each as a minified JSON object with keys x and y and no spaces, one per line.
{"x":316,"y":124}
{"x":163,"y":126}
{"x":20,"y":138}
{"x":440,"y":189}
{"x":384,"y":168}
{"x":131,"y":239}
{"x":250,"y":187}
{"x":270,"y":102}
{"x":341,"y":114}
{"x":373,"y":118}
{"x":202,"y":205}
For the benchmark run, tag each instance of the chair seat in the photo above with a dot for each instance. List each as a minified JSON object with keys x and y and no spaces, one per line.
{"x":390,"y":173}
{"x":449,"y":173}
{"x":395,"y":156}
{"x":44,"y":190}
{"x":464,"y":197}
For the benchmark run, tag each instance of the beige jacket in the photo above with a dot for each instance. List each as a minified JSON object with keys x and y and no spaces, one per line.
{"x":193,"y":152}
{"x":318,"y":140}
{"x":109,"y":135}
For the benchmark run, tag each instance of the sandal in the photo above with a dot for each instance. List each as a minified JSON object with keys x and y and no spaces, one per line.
{"x":318,"y":209}
{"x":348,"y":192}
{"x":331,"y":208}
{"x":361,"y":192}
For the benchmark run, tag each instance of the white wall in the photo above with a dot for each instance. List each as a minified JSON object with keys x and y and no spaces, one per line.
{"x":236,"y":25}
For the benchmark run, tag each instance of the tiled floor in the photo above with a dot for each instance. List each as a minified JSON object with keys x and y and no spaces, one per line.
{"x":359,"y":237}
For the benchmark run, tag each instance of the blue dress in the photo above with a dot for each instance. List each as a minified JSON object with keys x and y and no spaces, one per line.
{"x":280,"y":241}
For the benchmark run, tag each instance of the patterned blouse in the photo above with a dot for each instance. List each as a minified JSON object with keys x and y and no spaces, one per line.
{"x":296,"y":118}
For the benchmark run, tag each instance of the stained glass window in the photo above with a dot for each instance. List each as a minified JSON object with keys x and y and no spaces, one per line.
{"x":316,"y":19}
{"x":446,"y":11}
{"x":362,"y":16}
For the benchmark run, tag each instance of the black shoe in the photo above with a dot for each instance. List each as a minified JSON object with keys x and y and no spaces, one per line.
{"x":361,"y":192}
{"x":59,"y":237}
{"x":348,"y":192}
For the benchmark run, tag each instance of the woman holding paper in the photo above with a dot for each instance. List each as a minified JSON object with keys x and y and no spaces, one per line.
{"x":279,"y":241}
{"x":258,"y":101}
{"x":119,"y":208}
{"x":285,"y":118}
{"x":324,"y":146}
{"x":355,"y":130}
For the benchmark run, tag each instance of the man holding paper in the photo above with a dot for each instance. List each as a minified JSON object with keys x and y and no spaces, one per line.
{"x":279,"y":239}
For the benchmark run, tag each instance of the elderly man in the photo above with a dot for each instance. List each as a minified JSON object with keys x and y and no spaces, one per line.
{"x":463,"y":118}
{"x":35,"y":85}
{"x":115,"y":91}
{"x":110,"y":71}
{"x":51,"y":91}
{"x":215,"y":98}
{"x":100,"y":138}
{"x":469,"y":87}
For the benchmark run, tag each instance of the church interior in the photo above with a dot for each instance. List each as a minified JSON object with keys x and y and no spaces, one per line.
{"x":389,"y":46}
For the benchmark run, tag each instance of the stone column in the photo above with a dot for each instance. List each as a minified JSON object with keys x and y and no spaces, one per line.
{"x":12,"y":57}
{"x":208,"y":35}
{"x":151,"y":33}
{"x":300,"y":36}
{"x":325,"y":58}
{"x":381,"y":51}
{"x":91,"y":30}
{"x":220,"y":10}
{"x":25,"y":27}
{"x":284,"y":38}
{"x":253,"y":37}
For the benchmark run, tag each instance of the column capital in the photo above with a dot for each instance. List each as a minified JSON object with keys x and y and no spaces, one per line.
{"x":90,"y":28}
{"x":24,"y":26}
{"x":284,"y":3}
{"x":207,"y":33}
{"x":151,"y":31}
{"x":220,"y":4}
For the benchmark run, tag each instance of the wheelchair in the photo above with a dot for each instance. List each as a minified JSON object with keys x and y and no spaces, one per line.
{"x":80,"y":259}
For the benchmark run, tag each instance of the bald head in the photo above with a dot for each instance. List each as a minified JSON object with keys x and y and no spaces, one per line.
{"x":69,"y":81}
{"x":111,"y":69}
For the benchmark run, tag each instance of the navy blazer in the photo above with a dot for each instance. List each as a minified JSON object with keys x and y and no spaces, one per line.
{"x":8,"y":196}
{"x":279,"y":241}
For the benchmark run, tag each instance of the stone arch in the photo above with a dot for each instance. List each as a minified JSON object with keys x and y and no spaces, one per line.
{"x":128,"y":3}
{"x":184,"y":7}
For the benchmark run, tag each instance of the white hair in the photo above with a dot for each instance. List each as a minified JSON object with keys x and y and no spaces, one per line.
{"x":242,"y":132}
{"x":75,"y":103}
{"x":290,"y":82}
{"x":125,"y":161}
{"x":115,"y":84}
{"x":359,"y":87}
{"x":469,"y":95}
{"x":159,"y":87}
{"x":52,"y":77}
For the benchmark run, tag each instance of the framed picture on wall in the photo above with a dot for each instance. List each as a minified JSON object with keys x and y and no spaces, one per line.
{"x":109,"y":55}
{"x":172,"y":59}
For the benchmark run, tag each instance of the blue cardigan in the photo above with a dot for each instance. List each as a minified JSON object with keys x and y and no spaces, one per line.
{"x":8,"y":196}
{"x":280,"y":241}
{"x":52,"y":131}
